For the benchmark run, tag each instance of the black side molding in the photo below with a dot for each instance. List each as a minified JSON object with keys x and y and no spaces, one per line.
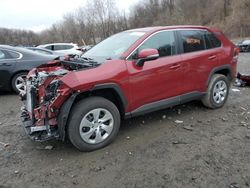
{"x":151,"y":107}
{"x":191,"y":96}
{"x":165,"y":103}
{"x":64,"y":114}
{"x":66,"y":107}
{"x":220,"y":68}
{"x":114,"y":87}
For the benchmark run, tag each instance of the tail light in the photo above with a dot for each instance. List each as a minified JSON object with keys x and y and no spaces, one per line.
{"x":236,"y":53}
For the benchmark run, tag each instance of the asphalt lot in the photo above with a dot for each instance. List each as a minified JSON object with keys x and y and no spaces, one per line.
{"x":210,"y":149}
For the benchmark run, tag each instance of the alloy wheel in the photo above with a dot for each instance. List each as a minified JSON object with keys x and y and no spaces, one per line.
{"x":220,"y":92}
{"x":20,"y":83}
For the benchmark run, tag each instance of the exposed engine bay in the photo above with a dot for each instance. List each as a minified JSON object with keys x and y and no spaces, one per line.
{"x":45,"y":93}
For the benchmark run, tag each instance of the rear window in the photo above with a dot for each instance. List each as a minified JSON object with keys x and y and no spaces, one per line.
{"x":6,"y":54}
{"x":2,"y":55}
{"x":192,"y":40}
{"x":211,"y":40}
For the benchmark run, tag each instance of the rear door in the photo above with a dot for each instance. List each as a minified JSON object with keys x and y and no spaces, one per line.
{"x":160,"y":78}
{"x":199,"y":57}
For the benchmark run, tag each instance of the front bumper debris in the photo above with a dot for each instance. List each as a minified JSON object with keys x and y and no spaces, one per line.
{"x":43,"y":98}
{"x":42,"y":132}
{"x":37,"y":133}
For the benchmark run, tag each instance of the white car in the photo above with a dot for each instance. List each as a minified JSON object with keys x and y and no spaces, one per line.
{"x":66,"y":48}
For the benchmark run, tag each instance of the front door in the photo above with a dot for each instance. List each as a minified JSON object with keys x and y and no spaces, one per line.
{"x":158,"y":79}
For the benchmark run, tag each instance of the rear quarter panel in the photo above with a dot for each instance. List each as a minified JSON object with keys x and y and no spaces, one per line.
{"x":197,"y":68}
{"x":228,"y":57}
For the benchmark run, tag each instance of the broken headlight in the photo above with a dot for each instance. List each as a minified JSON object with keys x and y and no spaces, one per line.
{"x":51,"y":90}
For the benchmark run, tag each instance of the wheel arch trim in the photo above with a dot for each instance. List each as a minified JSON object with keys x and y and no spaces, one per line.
{"x":66,"y":107}
{"x":116,"y":88}
{"x":220,"y":68}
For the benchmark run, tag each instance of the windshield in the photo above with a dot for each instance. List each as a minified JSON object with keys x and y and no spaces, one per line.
{"x":246,"y":42}
{"x":113,"y":46}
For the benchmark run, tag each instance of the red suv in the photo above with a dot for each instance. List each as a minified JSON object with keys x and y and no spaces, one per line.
{"x":129,"y":74}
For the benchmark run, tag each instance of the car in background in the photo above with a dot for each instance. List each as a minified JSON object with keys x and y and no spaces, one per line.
{"x":15,"y":63}
{"x":86,"y":48}
{"x":244,"y":45}
{"x":66,"y":48}
{"x":47,"y":52}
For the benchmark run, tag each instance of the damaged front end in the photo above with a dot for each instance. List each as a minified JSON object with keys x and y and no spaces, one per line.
{"x":45,"y":95}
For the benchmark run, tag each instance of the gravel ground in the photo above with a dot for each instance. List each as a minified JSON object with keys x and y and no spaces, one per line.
{"x":211,"y":148}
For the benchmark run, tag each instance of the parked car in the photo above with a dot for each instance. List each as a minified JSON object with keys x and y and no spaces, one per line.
{"x":129,"y":74}
{"x":86,"y":48}
{"x":45,"y":51}
{"x":65,"y":48}
{"x":244,"y":46}
{"x":15,"y":63}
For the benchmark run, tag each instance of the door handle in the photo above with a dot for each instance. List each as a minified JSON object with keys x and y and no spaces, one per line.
{"x":212,"y":57}
{"x":174,"y":67}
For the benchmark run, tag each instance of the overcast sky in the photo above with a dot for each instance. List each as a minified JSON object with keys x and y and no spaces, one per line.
{"x":37,"y":15}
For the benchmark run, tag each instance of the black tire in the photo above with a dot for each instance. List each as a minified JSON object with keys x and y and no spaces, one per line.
{"x":14,"y":80}
{"x":79,"y":111}
{"x":208,"y":100}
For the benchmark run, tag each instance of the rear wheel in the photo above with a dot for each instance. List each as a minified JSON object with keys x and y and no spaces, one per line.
{"x":18,"y":82}
{"x":217,"y":92}
{"x":94,"y":122}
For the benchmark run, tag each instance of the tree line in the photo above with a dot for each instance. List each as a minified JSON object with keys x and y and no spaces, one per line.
{"x":99,"y":19}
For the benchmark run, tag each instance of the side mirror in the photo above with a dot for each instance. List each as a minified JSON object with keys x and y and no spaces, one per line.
{"x":146,"y":55}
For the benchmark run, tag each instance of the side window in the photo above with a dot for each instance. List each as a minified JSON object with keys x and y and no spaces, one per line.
{"x":62,"y":47}
{"x":164,"y":42}
{"x":192,"y":40}
{"x":58,"y":47}
{"x":2,"y":55}
{"x":50,"y":47}
{"x":13,"y":55}
{"x":6,"y":54}
{"x":67,"y":47}
{"x":211,"y":40}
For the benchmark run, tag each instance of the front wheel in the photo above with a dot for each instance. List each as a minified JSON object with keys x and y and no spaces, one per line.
{"x":94,"y":122}
{"x":217,"y":92}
